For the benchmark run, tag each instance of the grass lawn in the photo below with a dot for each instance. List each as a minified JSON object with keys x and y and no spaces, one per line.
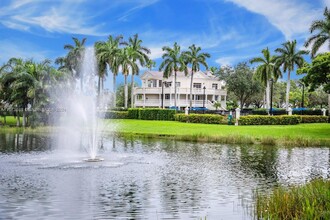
{"x":294,"y":135}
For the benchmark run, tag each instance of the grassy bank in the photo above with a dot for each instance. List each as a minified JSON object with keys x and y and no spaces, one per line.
{"x":311,"y":201}
{"x":288,"y":135}
{"x":281,"y":135}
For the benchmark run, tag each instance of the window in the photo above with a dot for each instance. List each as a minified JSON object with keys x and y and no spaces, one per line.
{"x":139,"y":97}
{"x":152,"y":83}
{"x":178,"y":84}
{"x":214,"y":86}
{"x":160,"y":83}
{"x":197,"y":85}
{"x":167,"y":96}
{"x":197,"y":97}
{"x":216,"y":98}
{"x":168,"y":84}
{"x":223,"y":98}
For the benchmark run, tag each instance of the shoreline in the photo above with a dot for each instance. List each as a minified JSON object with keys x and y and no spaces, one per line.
{"x":303,"y":135}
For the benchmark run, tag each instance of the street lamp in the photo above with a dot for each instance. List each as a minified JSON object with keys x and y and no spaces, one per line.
{"x":271,"y":96}
{"x":204,"y":99}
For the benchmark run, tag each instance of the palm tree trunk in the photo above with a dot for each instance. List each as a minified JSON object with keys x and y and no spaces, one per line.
{"x":132,"y":91}
{"x":18,"y":123}
{"x":114,"y":90}
{"x":287,"y":92}
{"x":126,"y":90}
{"x":191,"y":88}
{"x":175,"y":90}
{"x":24,"y":118}
{"x":328,"y":105}
{"x":267,"y":95}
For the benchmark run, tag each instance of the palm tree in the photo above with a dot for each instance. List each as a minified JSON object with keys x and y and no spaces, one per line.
{"x":109,"y":52}
{"x":173,"y":61}
{"x":289,"y":57}
{"x":323,"y":26}
{"x":213,"y":70}
{"x":139,"y":53}
{"x":74,"y":58}
{"x":266,"y":70}
{"x":195,"y":58}
{"x":127,"y":65}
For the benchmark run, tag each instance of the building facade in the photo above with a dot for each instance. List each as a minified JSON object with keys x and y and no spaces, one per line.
{"x":157,"y":91}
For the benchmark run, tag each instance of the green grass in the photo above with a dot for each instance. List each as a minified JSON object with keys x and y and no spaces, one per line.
{"x":10,"y":121}
{"x":288,"y":135}
{"x":310,"y":201}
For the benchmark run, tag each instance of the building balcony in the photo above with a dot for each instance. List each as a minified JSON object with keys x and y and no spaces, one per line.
{"x":195,"y":91}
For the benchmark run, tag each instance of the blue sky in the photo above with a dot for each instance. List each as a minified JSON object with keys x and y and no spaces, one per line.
{"x":230,"y":30}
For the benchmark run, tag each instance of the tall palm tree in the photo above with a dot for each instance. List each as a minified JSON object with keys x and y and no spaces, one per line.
{"x":173,"y":61}
{"x":266,"y":70}
{"x":289,"y":57}
{"x":74,"y":58}
{"x":138,"y":53}
{"x":323,"y":26}
{"x":127,"y":65}
{"x":109,"y":52}
{"x":195,"y":58}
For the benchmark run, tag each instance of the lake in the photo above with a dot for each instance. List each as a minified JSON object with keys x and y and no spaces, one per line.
{"x":145,"y":178}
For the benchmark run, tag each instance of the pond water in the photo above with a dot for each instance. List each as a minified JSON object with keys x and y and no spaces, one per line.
{"x":145,"y":179}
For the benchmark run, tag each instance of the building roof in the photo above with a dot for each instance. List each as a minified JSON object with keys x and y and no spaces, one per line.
{"x":150,"y":74}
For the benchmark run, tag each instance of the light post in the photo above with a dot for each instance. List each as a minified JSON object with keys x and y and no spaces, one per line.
{"x":204,"y":99}
{"x":271,"y":96}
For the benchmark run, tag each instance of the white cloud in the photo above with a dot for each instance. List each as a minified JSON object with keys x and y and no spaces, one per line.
{"x":156,"y":52}
{"x":290,"y":17}
{"x":232,"y":60}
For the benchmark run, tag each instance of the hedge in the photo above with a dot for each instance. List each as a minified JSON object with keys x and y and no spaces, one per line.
{"x":269,"y":120}
{"x":151,"y":114}
{"x":115,"y":115}
{"x":201,"y":118}
{"x":281,"y":111}
{"x":313,"y":119}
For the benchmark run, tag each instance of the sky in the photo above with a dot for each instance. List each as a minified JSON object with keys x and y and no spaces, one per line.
{"x":231,"y":31}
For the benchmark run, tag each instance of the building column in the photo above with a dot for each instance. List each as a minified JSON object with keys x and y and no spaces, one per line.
{"x":144,"y":99}
{"x":160,"y":100}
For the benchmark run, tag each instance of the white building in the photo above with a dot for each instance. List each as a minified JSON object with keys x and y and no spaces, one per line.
{"x":157,"y":91}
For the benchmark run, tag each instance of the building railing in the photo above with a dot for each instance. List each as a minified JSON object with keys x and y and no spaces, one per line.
{"x":195,"y":91}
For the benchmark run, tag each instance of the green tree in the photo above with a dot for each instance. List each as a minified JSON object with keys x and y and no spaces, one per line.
{"x":127,"y":64}
{"x":266,"y":70}
{"x":289,"y":57}
{"x":108,"y":53}
{"x":173,"y":61}
{"x":323,"y":35}
{"x":241,"y":83}
{"x":318,"y":73}
{"x":121,"y":95}
{"x":195,"y":58}
{"x":72,"y":61}
{"x":137,"y":53}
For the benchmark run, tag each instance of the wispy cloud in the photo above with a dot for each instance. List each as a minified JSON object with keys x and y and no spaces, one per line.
{"x":290,"y":17}
{"x":65,"y":16}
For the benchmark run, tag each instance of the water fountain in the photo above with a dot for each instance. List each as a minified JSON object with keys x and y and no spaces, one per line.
{"x":80,"y":126}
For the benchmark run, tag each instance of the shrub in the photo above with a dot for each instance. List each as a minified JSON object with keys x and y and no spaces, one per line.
{"x":269,"y":120}
{"x":260,"y":111}
{"x":115,"y":115}
{"x":133,"y":113}
{"x":307,"y":112}
{"x":151,"y":114}
{"x":314,"y":119}
{"x":201,"y":118}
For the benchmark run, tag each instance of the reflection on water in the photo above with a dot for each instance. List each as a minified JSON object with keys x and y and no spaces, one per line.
{"x":145,"y":179}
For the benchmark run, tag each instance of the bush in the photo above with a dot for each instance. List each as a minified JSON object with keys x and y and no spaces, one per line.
{"x":151,"y":114}
{"x":133,"y":113}
{"x":269,"y":120}
{"x":115,"y":115}
{"x":314,"y":119}
{"x":201,"y":118}
{"x":307,"y":112}
{"x":259,"y":111}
